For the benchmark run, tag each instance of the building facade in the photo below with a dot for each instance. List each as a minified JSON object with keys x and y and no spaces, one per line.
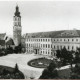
{"x":17,"y":29}
{"x":40,"y":46}
{"x":46,"y":43}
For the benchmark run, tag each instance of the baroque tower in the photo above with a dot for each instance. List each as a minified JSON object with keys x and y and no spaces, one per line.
{"x":17,"y":29}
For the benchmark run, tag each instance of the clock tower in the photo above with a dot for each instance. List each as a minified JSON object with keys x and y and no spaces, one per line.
{"x":17,"y":29}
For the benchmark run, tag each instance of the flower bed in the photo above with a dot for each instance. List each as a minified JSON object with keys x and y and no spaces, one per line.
{"x":39,"y":63}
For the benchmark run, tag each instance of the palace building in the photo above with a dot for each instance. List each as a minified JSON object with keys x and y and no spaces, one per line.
{"x":46,"y":43}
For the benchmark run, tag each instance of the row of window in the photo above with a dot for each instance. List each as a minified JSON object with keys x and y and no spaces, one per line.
{"x":17,"y":23}
{"x":47,"y":40}
{"x":41,"y":52}
{"x":42,"y":40}
{"x":67,"y":47}
{"x":49,"y":46}
{"x":65,"y":40}
{"x":39,"y":45}
{"x":17,"y":19}
{"x":45,"y":52}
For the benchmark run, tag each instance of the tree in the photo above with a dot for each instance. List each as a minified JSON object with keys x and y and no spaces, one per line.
{"x":75,"y":72}
{"x":77,"y":56}
{"x":51,"y":66}
{"x":65,"y":56}
{"x":9,"y":50}
{"x":58,"y":53}
{"x":70,"y":57}
{"x":50,"y":72}
{"x":16,"y":68}
{"x":18,"y":49}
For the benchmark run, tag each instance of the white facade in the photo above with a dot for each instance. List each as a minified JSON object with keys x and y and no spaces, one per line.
{"x":48,"y":43}
{"x":68,"y":43}
{"x":41,"y":45}
{"x":48,"y":46}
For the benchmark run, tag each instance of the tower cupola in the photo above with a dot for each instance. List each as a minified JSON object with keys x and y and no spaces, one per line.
{"x":17,"y":13}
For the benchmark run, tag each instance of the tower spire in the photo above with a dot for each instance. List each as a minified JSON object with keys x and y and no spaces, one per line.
{"x":17,"y":13}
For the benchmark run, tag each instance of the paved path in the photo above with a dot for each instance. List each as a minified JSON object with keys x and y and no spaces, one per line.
{"x":22,"y":59}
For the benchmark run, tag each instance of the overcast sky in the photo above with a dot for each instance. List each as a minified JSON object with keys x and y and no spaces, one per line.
{"x":38,"y":16}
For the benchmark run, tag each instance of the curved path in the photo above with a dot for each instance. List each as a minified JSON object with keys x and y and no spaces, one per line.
{"x":22,"y":59}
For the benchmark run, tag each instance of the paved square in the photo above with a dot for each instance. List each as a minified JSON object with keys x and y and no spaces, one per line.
{"x":22,"y":59}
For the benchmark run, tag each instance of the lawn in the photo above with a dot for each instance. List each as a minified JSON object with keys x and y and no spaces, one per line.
{"x":44,"y":62}
{"x":39,"y":63}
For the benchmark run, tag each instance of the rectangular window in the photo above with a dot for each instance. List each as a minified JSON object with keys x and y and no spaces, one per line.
{"x":72,"y":47}
{"x":57,"y":47}
{"x":43,"y":45}
{"x":54,"y":47}
{"x":64,"y":39}
{"x":76,"y":39}
{"x":72,"y":39}
{"x":48,"y":40}
{"x":61,"y":47}
{"x":46,"y":45}
{"x":60,"y":39}
{"x":68,"y":47}
{"x":51,"y":45}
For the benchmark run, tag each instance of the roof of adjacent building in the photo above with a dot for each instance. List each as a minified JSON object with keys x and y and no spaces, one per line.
{"x":2,"y":36}
{"x":2,"y":42}
{"x":10,"y":42}
{"x":55,"y":34}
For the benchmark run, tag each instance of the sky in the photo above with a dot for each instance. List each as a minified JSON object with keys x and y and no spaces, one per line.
{"x":39,"y":16}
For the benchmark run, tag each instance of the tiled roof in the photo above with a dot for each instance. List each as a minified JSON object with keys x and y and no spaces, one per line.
{"x":2,"y":36}
{"x":10,"y":42}
{"x":68,"y":33}
{"x":43,"y":34}
{"x":55,"y":34}
{"x":2,"y":42}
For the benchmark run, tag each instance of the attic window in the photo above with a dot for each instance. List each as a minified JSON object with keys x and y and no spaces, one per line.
{"x":72,"y":34}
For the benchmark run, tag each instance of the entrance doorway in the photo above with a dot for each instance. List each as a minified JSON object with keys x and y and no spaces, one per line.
{"x":36,"y":51}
